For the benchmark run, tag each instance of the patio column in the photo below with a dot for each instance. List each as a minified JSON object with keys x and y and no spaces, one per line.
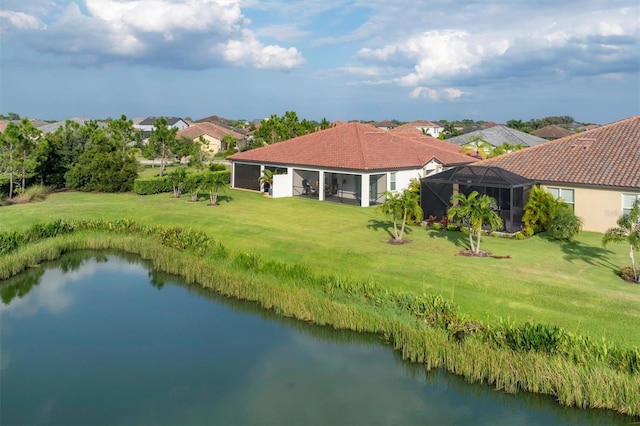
{"x":365,"y":190}
{"x":321,"y":186}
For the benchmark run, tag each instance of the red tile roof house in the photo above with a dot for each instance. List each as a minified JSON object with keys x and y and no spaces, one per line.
{"x":421,"y":126}
{"x":353,"y":163}
{"x":597,"y":171}
{"x":211,"y":133}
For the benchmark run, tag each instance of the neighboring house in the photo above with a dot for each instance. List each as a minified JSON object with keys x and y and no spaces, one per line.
{"x":147,"y":125}
{"x":212,"y":135}
{"x":353,"y":163}
{"x":424,"y":127}
{"x":385,"y":125}
{"x":52,"y":127}
{"x":497,"y":135}
{"x":552,"y":132}
{"x":597,"y":172}
{"x":222,"y":122}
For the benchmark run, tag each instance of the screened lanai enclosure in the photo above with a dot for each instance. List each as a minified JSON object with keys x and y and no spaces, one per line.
{"x":510,"y":191}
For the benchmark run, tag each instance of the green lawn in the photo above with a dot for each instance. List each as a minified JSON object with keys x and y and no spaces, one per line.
{"x":570,"y":285}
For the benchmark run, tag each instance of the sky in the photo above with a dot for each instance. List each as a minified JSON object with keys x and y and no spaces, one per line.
{"x":492,"y":60}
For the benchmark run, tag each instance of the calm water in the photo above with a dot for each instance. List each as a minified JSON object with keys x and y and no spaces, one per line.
{"x":101,"y":339}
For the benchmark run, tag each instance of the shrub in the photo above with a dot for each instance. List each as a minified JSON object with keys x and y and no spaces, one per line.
{"x":464,"y":230}
{"x":564,"y":225}
{"x":217,"y":167}
{"x":155,"y":185}
{"x":518,"y":236}
{"x":436,"y":226}
{"x":452,"y":227}
{"x":626,"y":273}
{"x":528,"y":231}
{"x":33,"y":193}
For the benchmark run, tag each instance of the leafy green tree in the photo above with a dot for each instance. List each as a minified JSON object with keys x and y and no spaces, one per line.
{"x":123,"y":134}
{"x":214,"y":183}
{"x":399,"y":208}
{"x":276,"y":129}
{"x":197,"y":155}
{"x":101,"y":168}
{"x":160,"y":141}
{"x":628,"y":231}
{"x":564,"y":224}
{"x":60,"y":151}
{"x":477,"y":211}
{"x":9,"y":155}
{"x":19,"y":153}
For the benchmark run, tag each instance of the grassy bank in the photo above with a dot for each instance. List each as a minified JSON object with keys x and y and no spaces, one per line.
{"x":573,"y":286}
{"x":424,"y":328}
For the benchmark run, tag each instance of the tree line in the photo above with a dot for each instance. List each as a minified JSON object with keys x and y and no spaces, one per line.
{"x":89,"y":157}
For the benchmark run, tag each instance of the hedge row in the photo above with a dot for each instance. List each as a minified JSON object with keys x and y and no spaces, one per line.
{"x":150,"y":186}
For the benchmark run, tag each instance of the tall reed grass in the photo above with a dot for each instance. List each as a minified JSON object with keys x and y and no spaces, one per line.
{"x":427,"y":329}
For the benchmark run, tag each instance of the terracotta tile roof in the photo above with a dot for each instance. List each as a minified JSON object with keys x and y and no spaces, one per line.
{"x":415,"y":126}
{"x":354,"y":146}
{"x":205,"y":128}
{"x":497,"y":135}
{"x":552,"y":131}
{"x":606,"y":156}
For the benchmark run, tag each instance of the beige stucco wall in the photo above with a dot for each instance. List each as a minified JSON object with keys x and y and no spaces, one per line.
{"x":598,"y":208}
{"x":211,"y":145}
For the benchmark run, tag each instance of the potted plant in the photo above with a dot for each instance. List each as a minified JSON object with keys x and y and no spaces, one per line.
{"x":266,"y":180}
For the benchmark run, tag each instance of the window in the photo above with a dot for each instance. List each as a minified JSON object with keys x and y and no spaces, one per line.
{"x":566,"y":195}
{"x":627,"y":202}
{"x":392,"y":181}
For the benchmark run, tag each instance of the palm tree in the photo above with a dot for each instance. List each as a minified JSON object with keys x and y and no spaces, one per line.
{"x":399,"y":207}
{"x":628,"y":230}
{"x":477,"y":211}
{"x":540,"y":208}
{"x":266,"y":178}
{"x":177,"y":178}
{"x":214,"y":182}
{"x":478,"y":146}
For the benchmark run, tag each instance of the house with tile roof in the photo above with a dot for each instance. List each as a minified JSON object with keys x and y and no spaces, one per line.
{"x":497,"y":135}
{"x":421,"y":126}
{"x":552,"y":131}
{"x":147,"y":125}
{"x":212,"y":136}
{"x":385,"y":125}
{"x":351,"y":163}
{"x":597,"y":172}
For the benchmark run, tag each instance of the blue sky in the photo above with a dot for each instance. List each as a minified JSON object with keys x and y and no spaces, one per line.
{"x":491,"y":60}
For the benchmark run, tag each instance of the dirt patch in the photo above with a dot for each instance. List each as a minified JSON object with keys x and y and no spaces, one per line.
{"x":482,"y":253}
{"x":395,"y":242}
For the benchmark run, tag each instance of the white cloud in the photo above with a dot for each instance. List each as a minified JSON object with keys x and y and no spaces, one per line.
{"x":21,"y":20}
{"x":435,"y":95}
{"x":491,"y":43}
{"x":167,"y":33}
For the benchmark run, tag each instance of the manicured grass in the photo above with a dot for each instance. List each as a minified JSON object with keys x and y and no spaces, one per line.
{"x":570,"y":285}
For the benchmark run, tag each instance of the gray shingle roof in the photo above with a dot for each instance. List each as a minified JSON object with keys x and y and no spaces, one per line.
{"x":498,"y":135}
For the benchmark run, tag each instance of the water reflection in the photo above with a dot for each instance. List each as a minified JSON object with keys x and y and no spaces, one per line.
{"x":125,"y":353}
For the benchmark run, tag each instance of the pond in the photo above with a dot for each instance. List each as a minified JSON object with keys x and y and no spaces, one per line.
{"x":100,"y":338}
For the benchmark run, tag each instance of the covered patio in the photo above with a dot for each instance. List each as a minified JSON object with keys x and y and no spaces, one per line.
{"x":510,"y":191}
